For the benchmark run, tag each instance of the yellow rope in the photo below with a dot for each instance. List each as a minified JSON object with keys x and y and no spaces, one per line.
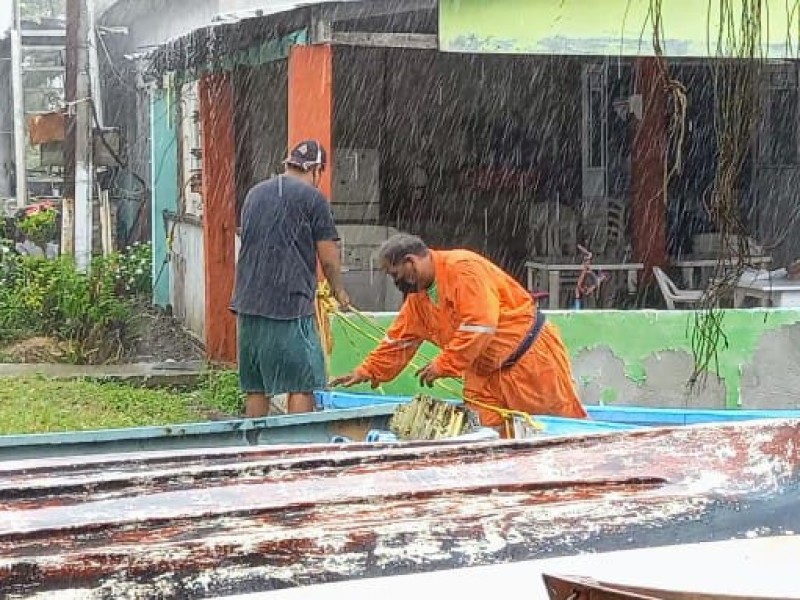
{"x":325,"y":306}
{"x":506,"y":414}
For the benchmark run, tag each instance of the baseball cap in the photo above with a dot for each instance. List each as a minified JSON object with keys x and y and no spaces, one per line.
{"x":307,"y":154}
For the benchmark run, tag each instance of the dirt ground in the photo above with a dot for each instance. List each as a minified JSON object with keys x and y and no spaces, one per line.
{"x":161,"y":338}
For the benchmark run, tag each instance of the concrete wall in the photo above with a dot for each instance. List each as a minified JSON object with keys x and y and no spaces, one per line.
{"x":644,"y":358}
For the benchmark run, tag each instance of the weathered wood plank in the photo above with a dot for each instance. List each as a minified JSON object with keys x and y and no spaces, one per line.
{"x":195,"y":524}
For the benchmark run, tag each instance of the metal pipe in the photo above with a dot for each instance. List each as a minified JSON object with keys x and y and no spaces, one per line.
{"x":20,"y":167}
{"x":94,"y":64}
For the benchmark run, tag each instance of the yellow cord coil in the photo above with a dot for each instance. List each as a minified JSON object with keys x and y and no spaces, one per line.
{"x":325,"y":306}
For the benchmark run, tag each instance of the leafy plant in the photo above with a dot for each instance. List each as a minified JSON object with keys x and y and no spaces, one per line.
{"x":52,"y":298}
{"x":36,"y":9}
{"x":221,"y":391}
{"x":40,"y":226}
{"x":129,"y":271}
{"x":12,"y":317}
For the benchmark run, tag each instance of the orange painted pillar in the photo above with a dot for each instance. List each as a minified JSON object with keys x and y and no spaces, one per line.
{"x":648,"y":207}
{"x":311,"y":102}
{"x":219,"y":213}
{"x":311,"y":105}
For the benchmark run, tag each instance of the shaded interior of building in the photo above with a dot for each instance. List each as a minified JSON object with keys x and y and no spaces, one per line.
{"x":458,"y":148}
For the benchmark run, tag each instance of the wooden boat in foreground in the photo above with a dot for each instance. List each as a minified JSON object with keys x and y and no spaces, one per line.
{"x":749,"y":567}
{"x":584,"y":588}
{"x":205,"y":523}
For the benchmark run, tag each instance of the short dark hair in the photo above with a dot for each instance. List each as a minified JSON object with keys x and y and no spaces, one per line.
{"x":400,"y":245}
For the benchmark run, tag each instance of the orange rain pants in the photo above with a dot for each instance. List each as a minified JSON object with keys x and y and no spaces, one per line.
{"x":480,"y":317}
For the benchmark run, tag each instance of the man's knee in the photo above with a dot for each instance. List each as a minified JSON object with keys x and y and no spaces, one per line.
{"x":256,"y":405}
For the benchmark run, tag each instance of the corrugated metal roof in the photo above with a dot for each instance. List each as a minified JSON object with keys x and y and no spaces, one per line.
{"x":230,"y":10}
{"x":242,"y":31}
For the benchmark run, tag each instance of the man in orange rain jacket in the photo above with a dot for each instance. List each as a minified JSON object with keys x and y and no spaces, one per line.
{"x":489,"y":329}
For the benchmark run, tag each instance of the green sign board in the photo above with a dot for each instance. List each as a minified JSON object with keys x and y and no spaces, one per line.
{"x":691,"y":28}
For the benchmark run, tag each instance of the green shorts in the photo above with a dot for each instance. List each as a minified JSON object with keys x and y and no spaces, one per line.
{"x":279,"y":356}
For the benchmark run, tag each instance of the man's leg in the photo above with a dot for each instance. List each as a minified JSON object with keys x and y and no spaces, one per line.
{"x":477,"y":387}
{"x":256,"y":405}
{"x":251,"y":381}
{"x":541,"y":383}
{"x":300,"y":402}
{"x":309,"y":365}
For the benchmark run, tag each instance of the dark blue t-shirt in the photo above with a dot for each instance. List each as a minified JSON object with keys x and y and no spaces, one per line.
{"x":282,"y":221}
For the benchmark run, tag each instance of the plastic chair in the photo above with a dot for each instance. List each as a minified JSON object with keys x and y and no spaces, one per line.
{"x":672,"y":294}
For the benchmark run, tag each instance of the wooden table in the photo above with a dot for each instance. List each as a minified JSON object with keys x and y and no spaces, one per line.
{"x":782,"y":293}
{"x":690,"y":264}
{"x":554,"y":271}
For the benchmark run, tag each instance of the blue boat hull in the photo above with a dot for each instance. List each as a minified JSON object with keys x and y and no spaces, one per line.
{"x":323,"y":427}
{"x":630,"y":415}
{"x":342,"y":417}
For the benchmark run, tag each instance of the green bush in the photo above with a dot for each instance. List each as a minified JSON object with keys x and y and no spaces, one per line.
{"x":129,"y":272}
{"x":12,"y":318}
{"x":40,"y":226}
{"x":92,"y":312}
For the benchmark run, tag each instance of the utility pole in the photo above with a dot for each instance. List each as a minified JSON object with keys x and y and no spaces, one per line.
{"x":18,"y":96}
{"x":94,"y":63}
{"x":70,"y":96}
{"x":80,"y":108}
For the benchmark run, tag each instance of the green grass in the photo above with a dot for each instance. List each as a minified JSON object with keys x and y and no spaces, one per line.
{"x":40,"y":405}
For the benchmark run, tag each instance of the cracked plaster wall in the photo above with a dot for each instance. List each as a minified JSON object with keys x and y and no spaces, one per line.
{"x":644,"y":358}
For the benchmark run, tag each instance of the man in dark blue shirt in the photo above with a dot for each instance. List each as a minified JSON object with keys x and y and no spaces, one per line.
{"x":286,"y":224}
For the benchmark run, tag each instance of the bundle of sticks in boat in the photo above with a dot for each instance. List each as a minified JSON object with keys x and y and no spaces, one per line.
{"x":428,"y":418}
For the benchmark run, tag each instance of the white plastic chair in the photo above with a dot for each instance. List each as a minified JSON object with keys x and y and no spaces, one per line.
{"x":672,"y":294}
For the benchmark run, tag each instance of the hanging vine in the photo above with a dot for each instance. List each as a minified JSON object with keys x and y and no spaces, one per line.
{"x":737,"y":74}
{"x":676,"y":96}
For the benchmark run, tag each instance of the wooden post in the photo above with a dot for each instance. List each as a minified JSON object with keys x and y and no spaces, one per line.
{"x":217,"y":108}
{"x":648,"y":210}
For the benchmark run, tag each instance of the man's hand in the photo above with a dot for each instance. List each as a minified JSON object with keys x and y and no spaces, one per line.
{"x":350,"y":380}
{"x":428,"y":374}
{"x":343,"y":298}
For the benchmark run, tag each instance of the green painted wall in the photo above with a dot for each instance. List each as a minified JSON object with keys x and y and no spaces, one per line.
{"x":632,"y":336}
{"x":164,"y":184}
{"x":603,"y":27}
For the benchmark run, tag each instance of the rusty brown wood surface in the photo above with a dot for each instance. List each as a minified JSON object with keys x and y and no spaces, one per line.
{"x":200,"y":524}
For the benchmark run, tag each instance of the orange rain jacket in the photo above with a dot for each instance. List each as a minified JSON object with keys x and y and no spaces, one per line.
{"x":481,"y":317}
